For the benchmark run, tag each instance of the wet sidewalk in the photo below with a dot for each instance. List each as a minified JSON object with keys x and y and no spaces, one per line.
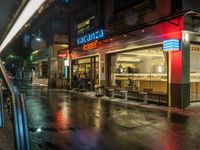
{"x":6,"y":134}
{"x":192,"y":110}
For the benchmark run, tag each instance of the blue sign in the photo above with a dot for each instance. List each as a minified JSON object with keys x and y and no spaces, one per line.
{"x":171,"y":45}
{"x":90,"y":37}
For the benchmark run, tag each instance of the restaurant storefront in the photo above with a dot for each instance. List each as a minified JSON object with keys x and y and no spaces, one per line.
{"x":144,"y":69}
{"x":160,"y":59}
{"x":85,"y":73}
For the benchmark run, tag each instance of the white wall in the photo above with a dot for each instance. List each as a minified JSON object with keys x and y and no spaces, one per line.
{"x":195,"y":62}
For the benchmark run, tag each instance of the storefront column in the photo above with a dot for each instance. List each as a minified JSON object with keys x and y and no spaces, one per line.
{"x":179,"y":71}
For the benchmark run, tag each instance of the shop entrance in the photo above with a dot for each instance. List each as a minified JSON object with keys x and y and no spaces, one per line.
{"x":143,"y":70}
{"x":85,"y":73}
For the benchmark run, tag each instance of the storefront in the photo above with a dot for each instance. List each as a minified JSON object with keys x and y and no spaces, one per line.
{"x":144,"y":69}
{"x":85,"y":73}
{"x":59,"y":66}
{"x":162,"y":60}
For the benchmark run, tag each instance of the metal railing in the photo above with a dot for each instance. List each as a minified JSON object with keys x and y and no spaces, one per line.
{"x":18,"y":113}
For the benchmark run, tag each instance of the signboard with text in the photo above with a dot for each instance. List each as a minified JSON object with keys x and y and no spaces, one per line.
{"x":90,"y":46}
{"x":62,"y":54}
{"x":98,"y":34}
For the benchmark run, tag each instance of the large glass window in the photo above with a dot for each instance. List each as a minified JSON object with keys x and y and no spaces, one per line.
{"x":142,"y":70}
{"x":121,"y":5}
{"x":195,"y":72}
{"x":86,"y":70}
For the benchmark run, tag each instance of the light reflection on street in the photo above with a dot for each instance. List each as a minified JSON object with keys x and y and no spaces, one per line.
{"x":60,"y":120}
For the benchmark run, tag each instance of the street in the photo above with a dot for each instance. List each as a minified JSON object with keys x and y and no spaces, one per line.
{"x":60,"y":120}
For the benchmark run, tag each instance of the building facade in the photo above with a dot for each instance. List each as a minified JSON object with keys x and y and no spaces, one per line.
{"x":134,"y":45}
{"x":138,"y":46}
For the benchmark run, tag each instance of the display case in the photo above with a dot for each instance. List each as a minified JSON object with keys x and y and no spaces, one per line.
{"x":141,"y":77}
{"x":194,"y":77}
{"x":137,"y":81}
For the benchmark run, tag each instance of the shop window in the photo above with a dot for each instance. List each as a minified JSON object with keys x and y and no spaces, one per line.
{"x":142,"y":70}
{"x":122,"y":5}
{"x":195,"y":72}
{"x":86,"y":72}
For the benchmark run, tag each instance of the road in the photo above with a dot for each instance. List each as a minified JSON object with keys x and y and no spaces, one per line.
{"x":60,"y":120}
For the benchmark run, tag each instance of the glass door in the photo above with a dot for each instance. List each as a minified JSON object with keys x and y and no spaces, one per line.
{"x":94,"y":72}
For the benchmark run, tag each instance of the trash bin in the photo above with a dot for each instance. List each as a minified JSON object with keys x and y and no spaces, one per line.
{"x":99,"y":90}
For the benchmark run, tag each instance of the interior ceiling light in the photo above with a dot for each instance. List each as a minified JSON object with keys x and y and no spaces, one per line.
{"x":30,"y":9}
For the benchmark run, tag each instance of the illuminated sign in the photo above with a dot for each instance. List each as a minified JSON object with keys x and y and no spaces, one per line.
{"x":90,"y":37}
{"x":89,"y":46}
{"x":66,"y":63}
{"x":62,"y":55}
{"x":171,"y":45}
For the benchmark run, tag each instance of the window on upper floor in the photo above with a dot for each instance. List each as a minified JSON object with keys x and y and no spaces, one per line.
{"x":85,"y":22}
{"x":121,"y":5}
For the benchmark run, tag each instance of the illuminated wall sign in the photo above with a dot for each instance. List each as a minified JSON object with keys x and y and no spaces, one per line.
{"x":62,"y":55}
{"x":89,"y":46}
{"x":171,"y":45}
{"x":90,"y":37}
{"x":66,"y":63}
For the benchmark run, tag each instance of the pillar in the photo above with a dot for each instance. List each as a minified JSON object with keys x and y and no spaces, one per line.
{"x":179,"y":74}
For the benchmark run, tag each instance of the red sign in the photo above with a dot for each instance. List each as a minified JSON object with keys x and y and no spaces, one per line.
{"x":62,"y":55}
{"x":89,"y":46}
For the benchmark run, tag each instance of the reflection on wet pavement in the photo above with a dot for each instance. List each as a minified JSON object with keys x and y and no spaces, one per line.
{"x":60,"y":120}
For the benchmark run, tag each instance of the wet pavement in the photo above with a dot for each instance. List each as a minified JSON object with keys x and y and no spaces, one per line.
{"x":60,"y":120}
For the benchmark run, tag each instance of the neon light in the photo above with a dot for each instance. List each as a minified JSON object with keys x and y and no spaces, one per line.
{"x":171,"y":45}
{"x":62,"y":55}
{"x":90,"y":37}
{"x":29,"y":10}
{"x":89,"y":46}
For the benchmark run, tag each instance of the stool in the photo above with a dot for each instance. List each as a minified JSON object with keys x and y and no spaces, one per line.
{"x":99,"y":90}
{"x":143,"y":95}
{"x":111,"y":93}
{"x":124,"y":95}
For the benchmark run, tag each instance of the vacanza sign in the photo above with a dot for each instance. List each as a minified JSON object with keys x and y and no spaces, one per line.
{"x":98,"y":34}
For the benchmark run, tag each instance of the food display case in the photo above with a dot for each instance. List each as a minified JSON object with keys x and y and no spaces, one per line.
{"x":194,"y":77}
{"x":138,"y":81}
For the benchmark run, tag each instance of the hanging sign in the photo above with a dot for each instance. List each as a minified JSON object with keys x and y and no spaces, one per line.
{"x":171,"y":45}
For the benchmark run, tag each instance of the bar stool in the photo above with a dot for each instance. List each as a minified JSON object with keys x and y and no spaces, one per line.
{"x":111,"y":93}
{"x":124,"y":95}
{"x":143,"y":96}
{"x":99,"y":90}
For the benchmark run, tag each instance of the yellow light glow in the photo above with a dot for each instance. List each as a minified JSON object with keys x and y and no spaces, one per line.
{"x":35,"y":52}
{"x":29,"y":10}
